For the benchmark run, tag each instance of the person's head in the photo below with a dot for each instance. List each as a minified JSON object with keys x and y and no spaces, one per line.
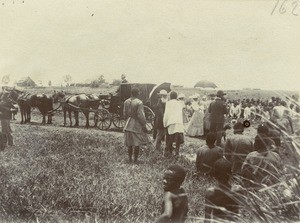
{"x":163,"y":94}
{"x":181,"y":97}
{"x":173,"y":95}
{"x":283,"y":103}
{"x":220,"y":94}
{"x":195,"y":97}
{"x":211,"y":138}
{"x":238,"y":128}
{"x":173,"y":177}
{"x":222,"y":170}
{"x":123,"y":76}
{"x":262,"y":129}
{"x":135,"y":92}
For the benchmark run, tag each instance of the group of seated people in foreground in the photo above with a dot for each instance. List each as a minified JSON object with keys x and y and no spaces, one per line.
{"x":242,"y":161}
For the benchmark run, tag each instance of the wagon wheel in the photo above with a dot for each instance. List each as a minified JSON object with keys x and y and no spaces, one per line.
{"x":118,"y":121}
{"x":103,"y":119}
{"x":149,"y":114}
{"x":104,"y":103}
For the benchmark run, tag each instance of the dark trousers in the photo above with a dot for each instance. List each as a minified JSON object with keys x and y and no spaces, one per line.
{"x":218,"y":128}
{"x":160,"y":136}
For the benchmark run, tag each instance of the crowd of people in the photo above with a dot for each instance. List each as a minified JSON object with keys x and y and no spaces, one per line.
{"x":249,"y":162}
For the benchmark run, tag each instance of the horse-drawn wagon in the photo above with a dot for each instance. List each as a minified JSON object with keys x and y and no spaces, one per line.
{"x":114,"y":113}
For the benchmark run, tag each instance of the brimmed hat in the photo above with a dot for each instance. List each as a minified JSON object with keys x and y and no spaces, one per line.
{"x":220,"y":93}
{"x":163,"y":92}
{"x":181,"y":95}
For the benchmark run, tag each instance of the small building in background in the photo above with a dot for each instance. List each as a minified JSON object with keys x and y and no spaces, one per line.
{"x":26,"y":82}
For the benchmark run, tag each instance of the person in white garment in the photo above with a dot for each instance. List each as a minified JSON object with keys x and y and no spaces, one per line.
{"x":173,"y":121}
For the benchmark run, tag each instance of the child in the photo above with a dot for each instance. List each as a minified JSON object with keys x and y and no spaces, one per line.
{"x":219,"y":201}
{"x":175,"y":204}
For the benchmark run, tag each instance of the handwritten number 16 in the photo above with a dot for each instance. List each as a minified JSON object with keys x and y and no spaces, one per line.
{"x":282,"y":9}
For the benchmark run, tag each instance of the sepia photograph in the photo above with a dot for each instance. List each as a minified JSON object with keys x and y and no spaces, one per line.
{"x":129,"y":111}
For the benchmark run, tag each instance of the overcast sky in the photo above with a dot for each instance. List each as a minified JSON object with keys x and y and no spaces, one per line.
{"x":235,"y":44}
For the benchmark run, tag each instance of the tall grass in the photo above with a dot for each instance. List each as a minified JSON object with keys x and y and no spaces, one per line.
{"x":59,"y":175}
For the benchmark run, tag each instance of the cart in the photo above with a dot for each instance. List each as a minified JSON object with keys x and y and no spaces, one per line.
{"x":112,"y":106}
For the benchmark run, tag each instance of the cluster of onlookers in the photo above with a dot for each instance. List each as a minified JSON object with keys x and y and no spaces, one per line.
{"x":198,"y":111}
{"x":249,"y":162}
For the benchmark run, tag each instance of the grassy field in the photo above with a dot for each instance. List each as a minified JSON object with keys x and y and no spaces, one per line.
{"x":63,"y":174}
{"x":58,"y":174}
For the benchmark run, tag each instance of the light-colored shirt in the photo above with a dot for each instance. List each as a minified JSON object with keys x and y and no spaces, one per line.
{"x":173,"y":116}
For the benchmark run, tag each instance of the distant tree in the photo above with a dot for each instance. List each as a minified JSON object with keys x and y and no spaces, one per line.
{"x":5,"y":79}
{"x":49,"y":83}
{"x":116,"y":82}
{"x":67,"y":79}
{"x":101,"y":79}
{"x":97,"y":83}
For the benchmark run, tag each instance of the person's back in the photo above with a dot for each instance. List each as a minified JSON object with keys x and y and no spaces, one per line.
{"x":133,"y":108}
{"x":217,"y":110}
{"x":223,"y":201}
{"x":261,"y":166}
{"x":237,"y":147}
{"x":208,"y":155}
{"x":264,"y":167}
{"x":220,"y":201}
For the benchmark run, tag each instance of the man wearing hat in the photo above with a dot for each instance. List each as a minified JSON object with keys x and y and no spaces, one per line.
{"x":217,"y":110}
{"x":159,"y":132}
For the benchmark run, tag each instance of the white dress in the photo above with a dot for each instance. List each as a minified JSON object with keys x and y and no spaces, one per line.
{"x":195,"y":126}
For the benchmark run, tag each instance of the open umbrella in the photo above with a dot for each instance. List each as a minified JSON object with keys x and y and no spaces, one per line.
{"x":205,"y":84}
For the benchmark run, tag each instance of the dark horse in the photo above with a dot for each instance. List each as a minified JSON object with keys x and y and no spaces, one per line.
{"x":80,"y":102}
{"x":42,"y":102}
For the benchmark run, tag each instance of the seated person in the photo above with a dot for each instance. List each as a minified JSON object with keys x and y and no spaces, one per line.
{"x":123,"y":81}
{"x":208,"y":154}
{"x":220,"y":202}
{"x":262,"y":166}
{"x":175,"y":204}
{"x":237,"y":147}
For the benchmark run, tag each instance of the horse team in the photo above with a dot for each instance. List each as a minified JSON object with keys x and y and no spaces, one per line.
{"x":44,"y":103}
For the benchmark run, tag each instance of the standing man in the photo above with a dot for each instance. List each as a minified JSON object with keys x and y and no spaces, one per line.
{"x":135,"y":127}
{"x":123,"y":79}
{"x":173,"y":121}
{"x":5,"y":116}
{"x":217,"y":110}
{"x":159,"y":129}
